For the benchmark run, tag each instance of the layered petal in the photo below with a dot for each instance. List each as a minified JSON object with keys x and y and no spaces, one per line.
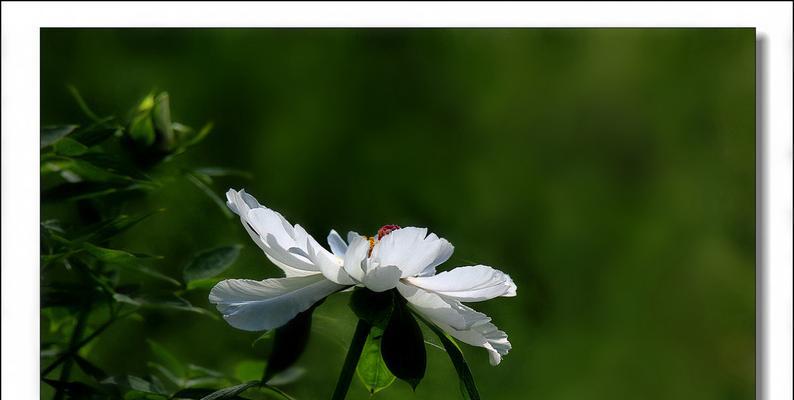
{"x":261,"y":305}
{"x":474,"y":283}
{"x":288,"y":247}
{"x":356,"y":256}
{"x":337,"y":244}
{"x":381,"y":279}
{"x":411,"y":249}
{"x":460,"y":321}
{"x":329,"y":264}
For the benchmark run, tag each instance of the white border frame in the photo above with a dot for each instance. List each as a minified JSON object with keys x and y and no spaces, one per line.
{"x":20,"y":128}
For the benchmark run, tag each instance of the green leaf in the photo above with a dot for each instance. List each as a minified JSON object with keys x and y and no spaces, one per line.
{"x":128,"y":260}
{"x":373,"y":307}
{"x":111,"y":256}
{"x":203,"y":284}
{"x":69,"y":147}
{"x":51,"y":134}
{"x":467,"y":386}
{"x":76,"y":170}
{"x":403,"y":347}
{"x":372,"y":370}
{"x":96,"y":133}
{"x":163,"y":302}
{"x":248,"y":370}
{"x":208,"y":263}
{"x":111,"y":227}
{"x":289,"y":342}
{"x":134,"y":383}
{"x":168,"y":360}
{"x":230,"y":392}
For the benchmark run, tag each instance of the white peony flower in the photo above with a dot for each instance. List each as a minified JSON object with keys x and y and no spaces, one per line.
{"x":396,"y":258}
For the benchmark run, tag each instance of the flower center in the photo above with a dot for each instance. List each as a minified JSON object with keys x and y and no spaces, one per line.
{"x":383,"y":231}
{"x":386,"y":229}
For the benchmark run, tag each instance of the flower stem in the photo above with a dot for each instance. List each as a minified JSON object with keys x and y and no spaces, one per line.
{"x":351,"y":360}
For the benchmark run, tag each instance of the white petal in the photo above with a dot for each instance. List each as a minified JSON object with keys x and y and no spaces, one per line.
{"x":329,"y":264}
{"x":381,"y":279}
{"x":462,"y":322}
{"x":355,"y":256}
{"x":261,"y":305}
{"x":338,"y":246}
{"x":475,"y":283}
{"x":443,"y":255}
{"x":260,"y":222}
{"x":352,"y":235}
{"x":408,"y":248}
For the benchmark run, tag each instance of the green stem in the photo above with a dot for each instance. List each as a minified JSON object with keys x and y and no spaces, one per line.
{"x":67,"y":366}
{"x":351,"y":360}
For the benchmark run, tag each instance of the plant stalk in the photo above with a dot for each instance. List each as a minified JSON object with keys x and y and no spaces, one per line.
{"x":351,"y":360}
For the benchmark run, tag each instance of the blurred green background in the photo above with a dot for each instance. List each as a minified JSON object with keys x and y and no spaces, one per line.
{"x":611,"y":172}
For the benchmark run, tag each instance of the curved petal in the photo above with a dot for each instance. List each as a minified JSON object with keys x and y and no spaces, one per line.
{"x":474,"y":283}
{"x":381,"y":279}
{"x":461,"y":322}
{"x":261,"y":305}
{"x":261,"y":222}
{"x":329,"y":264}
{"x":355,"y":257}
{"x":443,"y":255}
{"x":337,"y":244}
{"x":409,"y":249}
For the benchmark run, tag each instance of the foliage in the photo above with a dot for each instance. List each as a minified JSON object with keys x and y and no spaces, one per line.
{"x":93,"y":174}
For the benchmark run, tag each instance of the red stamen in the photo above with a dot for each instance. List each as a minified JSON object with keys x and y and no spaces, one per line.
{"x":386,"y":229}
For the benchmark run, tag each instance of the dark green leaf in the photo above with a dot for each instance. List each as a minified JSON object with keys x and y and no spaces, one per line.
{"x":209,"y":263}
{"x":230,"y":392}
{"x":95,"y":134}
{"x":69,"y":147}
{"x":373,"y":307}
{"x":372,"y":370}
{"x":77,"y":170}
{"x":134,"y":383}
{"x":109,"y":228}
{"x":403,"y":347}
{"x":128,"y":260}
{"x":51,"y":134}
{"x":289,"y":342}
{"x":90,"y":190}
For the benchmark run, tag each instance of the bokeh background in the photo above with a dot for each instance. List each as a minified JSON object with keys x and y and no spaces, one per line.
{"x":611,"y":172}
